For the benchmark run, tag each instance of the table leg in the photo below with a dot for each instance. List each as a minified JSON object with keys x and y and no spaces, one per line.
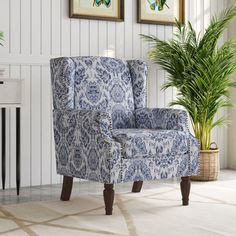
{"x":18,"y":150}
{"x":3,"y":147}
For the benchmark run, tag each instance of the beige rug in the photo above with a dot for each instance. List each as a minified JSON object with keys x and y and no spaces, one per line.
{"x":156,"y":212}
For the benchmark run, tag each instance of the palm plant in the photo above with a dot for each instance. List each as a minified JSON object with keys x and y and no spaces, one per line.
{"x":1,"y":37}
{"x":200,"y":70}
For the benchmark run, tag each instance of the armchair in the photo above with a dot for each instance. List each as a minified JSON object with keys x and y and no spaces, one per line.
{"x":104,"y":132}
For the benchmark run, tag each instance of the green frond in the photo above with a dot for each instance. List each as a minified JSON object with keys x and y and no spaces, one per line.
{"x":216,"y":28}
{"x":220,"y":122}
{"x":1,"y":37}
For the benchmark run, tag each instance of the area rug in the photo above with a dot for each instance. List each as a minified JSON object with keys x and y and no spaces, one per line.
{"x":153,"y":212}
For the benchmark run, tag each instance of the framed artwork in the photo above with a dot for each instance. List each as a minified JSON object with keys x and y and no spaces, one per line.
{"x":160,"y":11}
{"x":112,"y":10}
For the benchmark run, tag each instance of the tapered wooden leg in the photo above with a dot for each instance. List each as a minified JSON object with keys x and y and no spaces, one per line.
{"x":108,"y":195}
{"x":185,"y":189}
{"x":66,"y":188}
{"x":137,"y":186}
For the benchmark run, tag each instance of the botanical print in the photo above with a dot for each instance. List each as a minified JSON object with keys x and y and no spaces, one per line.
{"x":165,"y":9}
{"x":157,"y":4}
{"x":160,"y":11}
{"x":97,"y":9}
{"x":98,"y":3}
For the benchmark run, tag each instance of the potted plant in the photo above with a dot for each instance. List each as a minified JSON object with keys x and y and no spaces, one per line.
{"x":201,"y":72}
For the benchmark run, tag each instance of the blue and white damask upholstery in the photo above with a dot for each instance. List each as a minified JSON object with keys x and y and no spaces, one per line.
{"x":104,"y":131}
{"x":161,"y":118}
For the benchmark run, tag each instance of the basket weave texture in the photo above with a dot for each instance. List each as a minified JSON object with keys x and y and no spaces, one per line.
{"x":209,"y":166}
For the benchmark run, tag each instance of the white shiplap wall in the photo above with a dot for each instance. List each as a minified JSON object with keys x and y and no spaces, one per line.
{"x":35,"y":31}
{"x":232,"y":111}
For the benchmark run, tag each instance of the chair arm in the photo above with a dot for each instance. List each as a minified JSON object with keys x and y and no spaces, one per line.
{"x":85,"y":147}
{"x":162,"y":118}
{"x":93,"y":122}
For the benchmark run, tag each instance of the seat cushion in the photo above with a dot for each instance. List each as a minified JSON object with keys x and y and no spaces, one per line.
{"x":151,"y":143}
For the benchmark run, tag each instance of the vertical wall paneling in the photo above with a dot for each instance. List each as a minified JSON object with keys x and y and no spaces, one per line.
{"x":37,"y":30}
{"x":65,"y":29}
{"x":200,"y":16}
{"x":102,"y":38}
{"x":136,"y":32}
{"x":26,"y":131}
{"x":45,"y":27}
{"x":188,"y":12}
{"x":160,"y":76}
{"x":215,"y":134}
{"x":36,"y":123}
{"x":75,"y":37}
{"x":14,"y":26}
{"x":56,"y":40}
{"x":84,"y":37}
{"x":222,"y":131}
{"x":128,"y":37}
{"x":93,"y":36}
{"x":207,"y":12}
{"x":231,"y":147}
{"x":169,"y":91}
{"x":25,"y":31}
{"x":144,"y":45}
{"x":153,"y":76}
{"x":224,"y":136}
{"x":111,"y":39}
{"x":36,"y":27}
{"x":120,"y":39}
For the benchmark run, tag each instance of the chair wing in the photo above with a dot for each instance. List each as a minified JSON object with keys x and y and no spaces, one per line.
{"x":138,"y":71}
{"x":63,"y":82}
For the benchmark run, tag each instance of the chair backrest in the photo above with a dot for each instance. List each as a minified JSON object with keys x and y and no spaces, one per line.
{"x":100,"y":83}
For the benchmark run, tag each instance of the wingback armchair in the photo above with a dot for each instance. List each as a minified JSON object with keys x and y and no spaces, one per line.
{"x":104,"y":131}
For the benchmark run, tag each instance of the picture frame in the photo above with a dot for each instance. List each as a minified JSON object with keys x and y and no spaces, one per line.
{"x":109,"y":10}
{"x":152,"y":12}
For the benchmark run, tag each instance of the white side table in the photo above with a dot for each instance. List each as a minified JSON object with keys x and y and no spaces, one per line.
{"x":11,"y":96}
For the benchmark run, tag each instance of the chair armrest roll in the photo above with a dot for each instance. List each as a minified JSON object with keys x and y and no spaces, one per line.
{"x":162,"y":118}
{"x":80,"y":121}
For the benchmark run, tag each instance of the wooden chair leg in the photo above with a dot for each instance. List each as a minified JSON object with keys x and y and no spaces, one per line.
{"x":185,"y":189}
{"x":137,"y":186}
{"x":108,"y":195}
{"x":66,"y":188}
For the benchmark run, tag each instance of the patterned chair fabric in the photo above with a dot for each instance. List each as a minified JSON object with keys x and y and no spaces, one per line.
{"x":104,"y":131}
{"x":148,"y":143}
{"x":101,"y":84}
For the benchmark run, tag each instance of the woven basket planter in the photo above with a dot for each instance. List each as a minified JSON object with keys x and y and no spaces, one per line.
{"x":208,"y":165}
